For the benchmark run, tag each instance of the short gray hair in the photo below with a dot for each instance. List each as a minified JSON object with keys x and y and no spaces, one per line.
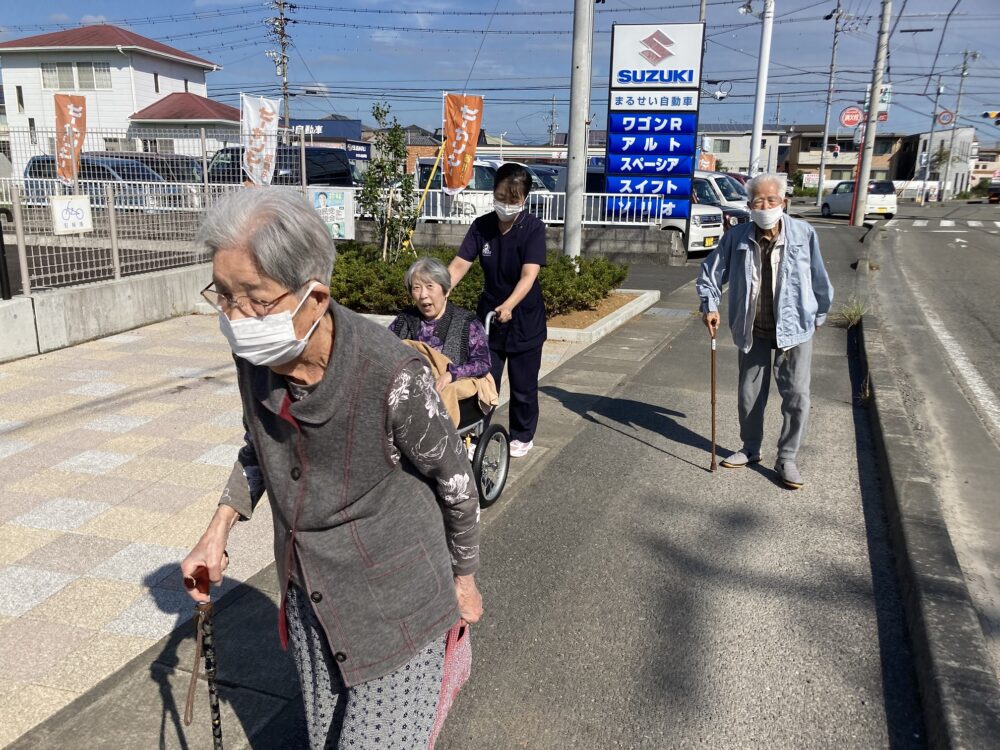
{"x":428,"y":268}
{"x":281,"y":230}
{"x":777,"y":177}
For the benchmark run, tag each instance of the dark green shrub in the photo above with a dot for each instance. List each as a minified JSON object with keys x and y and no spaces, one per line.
{"x":363,"y":282}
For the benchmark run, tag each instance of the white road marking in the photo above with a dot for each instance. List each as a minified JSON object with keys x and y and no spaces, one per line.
{"x":984,"y":398}
{"x":892,"y":222}
{"x":974,"y":223}
{"x":949,"y":231}
{"x":947,"y":222}
{"x":997,"y":223}
{"x":920,"y":223}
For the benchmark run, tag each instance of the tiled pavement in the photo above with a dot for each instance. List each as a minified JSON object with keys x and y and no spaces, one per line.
{"x":112,"y":456}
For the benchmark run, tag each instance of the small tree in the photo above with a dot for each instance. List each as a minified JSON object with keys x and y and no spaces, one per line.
{"x":387,"y":193}
{"x":982,"y":187}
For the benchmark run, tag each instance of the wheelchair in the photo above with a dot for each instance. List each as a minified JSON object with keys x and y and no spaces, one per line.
{"x":491,"y":460}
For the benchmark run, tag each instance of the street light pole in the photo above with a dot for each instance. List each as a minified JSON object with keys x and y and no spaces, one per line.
{"x":763,"y":63}
{"x":836,"y":15}
{"x":930,"y":140}
{"x":871,"y":118}
{"x":579,"y":114}
{"x":946,"y":193}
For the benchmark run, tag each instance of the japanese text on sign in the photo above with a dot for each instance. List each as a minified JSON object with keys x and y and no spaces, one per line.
{"x":71,"y":129}
{"x":260,"y":137}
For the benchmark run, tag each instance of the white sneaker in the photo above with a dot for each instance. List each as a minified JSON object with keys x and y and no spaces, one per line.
{"x":518,"y":449}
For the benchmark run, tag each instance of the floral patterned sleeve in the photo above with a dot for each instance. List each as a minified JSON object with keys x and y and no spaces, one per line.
{"x":420,"y":429}
{"x":479,"y":362}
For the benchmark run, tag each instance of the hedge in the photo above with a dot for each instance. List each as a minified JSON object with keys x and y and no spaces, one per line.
{"x":364,"y":283}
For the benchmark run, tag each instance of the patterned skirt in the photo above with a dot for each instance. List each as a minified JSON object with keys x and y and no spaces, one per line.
{"x":392,"y":712}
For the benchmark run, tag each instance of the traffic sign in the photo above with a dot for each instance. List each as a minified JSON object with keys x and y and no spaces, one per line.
{"x":851,"y":117}
{"x":945,"y":117}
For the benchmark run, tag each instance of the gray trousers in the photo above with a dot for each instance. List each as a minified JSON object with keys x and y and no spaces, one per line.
{"x":792,"y":370}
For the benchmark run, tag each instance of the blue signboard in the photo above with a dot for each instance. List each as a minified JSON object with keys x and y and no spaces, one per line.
{"x":648,"y":123}
{"x":653,"y":120}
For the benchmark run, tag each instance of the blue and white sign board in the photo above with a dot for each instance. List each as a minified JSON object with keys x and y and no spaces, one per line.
{"x":71,"y":214}
{"x":653,"y":118}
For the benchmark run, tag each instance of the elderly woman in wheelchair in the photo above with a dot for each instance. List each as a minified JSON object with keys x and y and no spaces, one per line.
{"x":456,"y":346}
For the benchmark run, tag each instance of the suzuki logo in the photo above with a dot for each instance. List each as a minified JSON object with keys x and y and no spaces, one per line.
{"x":656,"y":44}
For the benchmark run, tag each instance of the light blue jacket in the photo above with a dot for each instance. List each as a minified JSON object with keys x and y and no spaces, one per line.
{"x":803,"y":292}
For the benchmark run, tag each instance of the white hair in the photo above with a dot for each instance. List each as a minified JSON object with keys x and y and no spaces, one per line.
{"x":779,"y":178}
{"x":279,"y":228}
{"x":431,"y":269}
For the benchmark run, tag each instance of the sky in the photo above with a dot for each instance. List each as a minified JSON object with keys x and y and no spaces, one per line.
{"x":345,"y":54}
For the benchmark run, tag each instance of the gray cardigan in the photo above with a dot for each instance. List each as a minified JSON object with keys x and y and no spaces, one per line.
{"x":373,"y":501}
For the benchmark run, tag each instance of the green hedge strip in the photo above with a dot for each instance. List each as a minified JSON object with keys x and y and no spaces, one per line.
{"x":363,"y":282}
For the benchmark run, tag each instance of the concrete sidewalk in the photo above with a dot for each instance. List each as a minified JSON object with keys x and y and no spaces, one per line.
{"x":112,"y":457}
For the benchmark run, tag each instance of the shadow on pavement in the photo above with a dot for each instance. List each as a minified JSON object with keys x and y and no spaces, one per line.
{"x":899,"y":682}
{"x":636,"y":416}
{"x":250,"y":664}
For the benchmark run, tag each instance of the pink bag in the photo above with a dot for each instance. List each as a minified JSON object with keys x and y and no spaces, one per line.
{"x":457,"y":668}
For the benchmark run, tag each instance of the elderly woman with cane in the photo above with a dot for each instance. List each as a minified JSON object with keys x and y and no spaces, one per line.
{"x":376,"y":518}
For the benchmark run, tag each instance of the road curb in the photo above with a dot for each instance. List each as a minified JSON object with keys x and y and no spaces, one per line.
{"x":959,"y":691}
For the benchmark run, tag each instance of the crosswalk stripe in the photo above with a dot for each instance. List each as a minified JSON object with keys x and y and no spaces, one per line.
{"x":891,"y":223}
{"x":920,"y":223}
{"x":947,"y":223}
{"x":974,"y":223}
{"x":997,"y":223}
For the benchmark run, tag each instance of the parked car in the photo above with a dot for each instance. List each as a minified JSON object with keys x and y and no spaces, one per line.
{"x":725,"y":188}
{"x":171,"y":167}
{"x":706,"y":227}
{"x":553,"y":175}
{"x":475,"y":200}
{"x":881,"y":199}
{"x":324,"y":166}
{"x":703,"y":194}
{"x":136,"y":186}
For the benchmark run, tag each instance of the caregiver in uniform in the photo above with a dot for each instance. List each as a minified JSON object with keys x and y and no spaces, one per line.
{"x":510,"y":245}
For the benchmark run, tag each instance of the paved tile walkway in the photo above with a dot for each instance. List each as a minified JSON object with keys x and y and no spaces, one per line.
{"x":112,"y":457}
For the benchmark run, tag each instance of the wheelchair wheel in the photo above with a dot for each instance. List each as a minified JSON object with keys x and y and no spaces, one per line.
{"x":491,"y":463}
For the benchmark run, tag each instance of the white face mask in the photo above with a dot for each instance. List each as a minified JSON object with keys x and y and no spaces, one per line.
{"x":270,"y":340}
{"x":766,"y":218}
{"x":505,"y":212}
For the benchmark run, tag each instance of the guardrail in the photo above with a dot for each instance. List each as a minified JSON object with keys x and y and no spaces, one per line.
{"x":598,"y":208}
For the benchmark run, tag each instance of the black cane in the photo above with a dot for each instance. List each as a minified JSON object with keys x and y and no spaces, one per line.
{"x":713,"y":466}
{"x":205,"y":645}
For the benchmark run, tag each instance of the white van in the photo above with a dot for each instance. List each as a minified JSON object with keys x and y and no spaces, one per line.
{"x":706,"y":227}
{"x":725,"y":188}
{"x":881,"y":199}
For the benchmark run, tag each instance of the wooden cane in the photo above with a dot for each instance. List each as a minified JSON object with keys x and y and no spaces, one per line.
{"x":713,"y":467}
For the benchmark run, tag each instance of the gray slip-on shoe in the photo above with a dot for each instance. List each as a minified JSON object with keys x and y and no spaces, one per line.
{"x":788,"y":472}
{"x":739,"y":460}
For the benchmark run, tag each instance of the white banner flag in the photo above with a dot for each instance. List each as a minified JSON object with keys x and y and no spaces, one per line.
{"x":259,"y":129}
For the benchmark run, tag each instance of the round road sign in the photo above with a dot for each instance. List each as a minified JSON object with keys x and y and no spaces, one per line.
{"x":946,"y":117}
{"x":851,"y":117}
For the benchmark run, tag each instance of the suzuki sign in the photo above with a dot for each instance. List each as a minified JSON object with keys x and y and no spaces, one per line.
{"x":656,"y":56}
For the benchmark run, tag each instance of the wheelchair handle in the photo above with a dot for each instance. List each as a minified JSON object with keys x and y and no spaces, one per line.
{"x":489,"y":319}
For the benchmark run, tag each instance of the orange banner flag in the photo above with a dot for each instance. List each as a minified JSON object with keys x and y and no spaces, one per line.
{"x":463,"y":118}
{"x":71,"y":129}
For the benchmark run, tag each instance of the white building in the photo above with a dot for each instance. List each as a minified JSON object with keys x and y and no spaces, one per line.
{"x":731,"y":146}
{"x":117,"y":71}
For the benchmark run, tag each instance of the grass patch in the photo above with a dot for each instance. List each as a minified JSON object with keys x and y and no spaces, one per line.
{"x":850,"y":313}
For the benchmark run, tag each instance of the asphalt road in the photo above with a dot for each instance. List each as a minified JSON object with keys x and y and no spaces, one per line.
{"x":635,"y":600}
{"x":937,"y":288}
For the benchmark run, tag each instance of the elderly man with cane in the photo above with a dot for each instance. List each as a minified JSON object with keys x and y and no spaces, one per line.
{"x":779,"y":292}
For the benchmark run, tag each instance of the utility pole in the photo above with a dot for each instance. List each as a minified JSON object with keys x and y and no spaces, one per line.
{"x":701,"y":11}
{"x":836,"y":15}
{"x":763,"y":63}
{"x":871,"y":119}
{"x":946,"y":193}
{"x":777,"y":112}
{"x":930,"y":139}
{"x":579,"y":113}
{"x":280,"y":35}
{"x":553,"y":124}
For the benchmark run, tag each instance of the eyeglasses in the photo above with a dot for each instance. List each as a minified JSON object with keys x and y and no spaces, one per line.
{"x":249,"y":306}
{"x":770,"y":201}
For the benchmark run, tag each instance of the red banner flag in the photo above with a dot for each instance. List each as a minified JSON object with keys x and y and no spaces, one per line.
{"x":71,"y":129}
{"x":463,"y":118}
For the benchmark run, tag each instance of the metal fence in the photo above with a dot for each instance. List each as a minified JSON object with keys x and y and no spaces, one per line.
{"x":138,"y":227}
